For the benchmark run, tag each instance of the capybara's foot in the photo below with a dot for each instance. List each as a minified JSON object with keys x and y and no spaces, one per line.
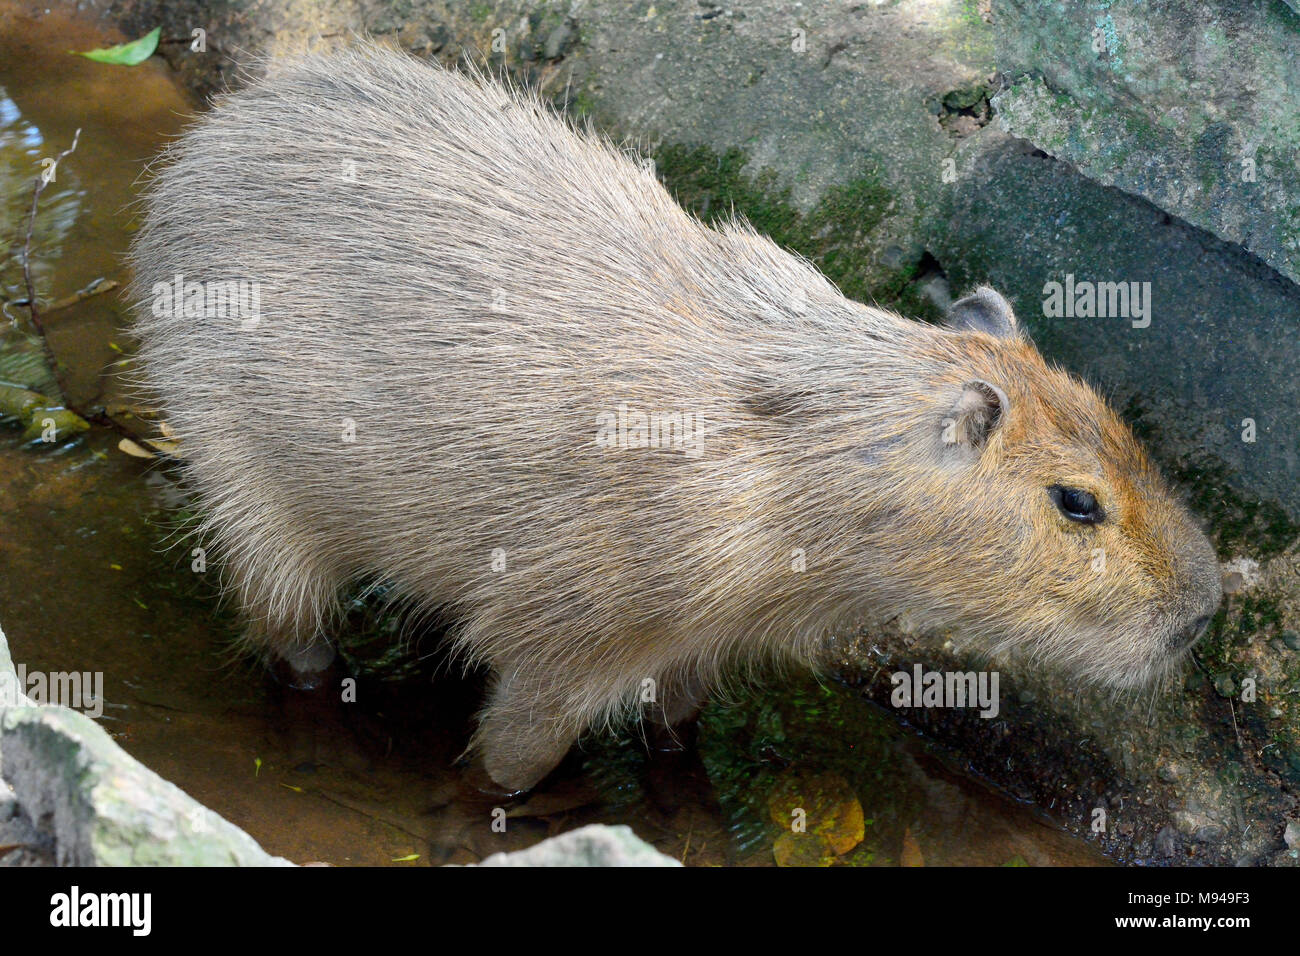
{"x":477,"y":786}
{"x":675,"y":776}
{"x":308,"y":668}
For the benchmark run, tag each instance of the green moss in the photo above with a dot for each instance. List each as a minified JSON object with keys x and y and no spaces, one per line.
{"x":966,"y":35}
{"x":583,"y":105}
{"x":758,"y":739}
{"x":1262,"y":529}
{"x":1238,"y":621}
{"x":969,"y":13}
{"x":1231,"y":773}
{"x":713,"y":185}
{"x":1140,"y":137}
{"x":1258,"y":613}
{"x":967,"y":97}
{"x":834,"y":235}
{"x":1238,"y":524}
{"x":378,"y":639}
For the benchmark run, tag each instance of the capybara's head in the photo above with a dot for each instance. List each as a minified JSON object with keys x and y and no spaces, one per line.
{"x":1034,"y":518}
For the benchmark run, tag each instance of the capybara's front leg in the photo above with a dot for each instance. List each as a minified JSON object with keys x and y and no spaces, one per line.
{"x":670,"y":717}
{"x":524,"y":731}
{"x":675,"y":777}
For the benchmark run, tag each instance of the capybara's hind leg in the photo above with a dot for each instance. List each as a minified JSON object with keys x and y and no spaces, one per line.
{"x":522,"y":736}
{"x":285,"y":604}
{"x":298,"y":658}
{"x":306,"y":667}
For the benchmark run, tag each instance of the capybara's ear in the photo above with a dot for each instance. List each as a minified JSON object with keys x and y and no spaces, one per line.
{"x":973,"y":417}
{"x":984,"y":310}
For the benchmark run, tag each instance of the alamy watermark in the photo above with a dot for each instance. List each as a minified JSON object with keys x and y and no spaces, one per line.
{"x":629,"y":428}
{"x":952,"y":689}
{"x":1101,"y":300}
{"x":218,"y":299}
{"x":131,"y":911}
{"x":79,"y":690}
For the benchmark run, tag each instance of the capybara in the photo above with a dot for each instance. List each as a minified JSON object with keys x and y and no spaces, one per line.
{"x":413,"y":327}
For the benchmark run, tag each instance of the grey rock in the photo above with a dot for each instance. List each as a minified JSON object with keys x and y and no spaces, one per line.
{"x":1225,"y":685}
{"x":559,"y":39}
{"x":1189,"y":105}
{"x":11,"y":691}
{"x":70,"y":795}
{"x":30,"y":846}
{"x":1291,"y":834}
{"x":595,"y":845}
{"x":1166,"y":842}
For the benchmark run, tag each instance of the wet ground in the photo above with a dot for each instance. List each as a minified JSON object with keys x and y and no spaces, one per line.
{"x":88,"y":583}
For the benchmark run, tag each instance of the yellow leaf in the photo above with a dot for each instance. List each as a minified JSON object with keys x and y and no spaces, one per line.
{"x":911,"y":855}
{"x":134,"y":450}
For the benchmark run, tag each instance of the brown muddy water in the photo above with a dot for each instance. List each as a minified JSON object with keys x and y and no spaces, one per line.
{"x":89,"y":584}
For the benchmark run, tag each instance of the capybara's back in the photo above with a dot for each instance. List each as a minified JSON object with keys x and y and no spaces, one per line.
{"x":411,"y":327}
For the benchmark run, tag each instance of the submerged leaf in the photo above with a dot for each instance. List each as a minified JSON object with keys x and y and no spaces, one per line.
{"x":802,"y":849}
{"x":134,"y":450}
{"x":18,"y":402}
{"x":172,"y":448}
{"x":826,"y":802}
{"x":911,"y":853}
{"x":54,"y":422}
{"x":125,"y":54}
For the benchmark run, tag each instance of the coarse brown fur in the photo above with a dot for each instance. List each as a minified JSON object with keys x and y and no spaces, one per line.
{"x":480,"y":289}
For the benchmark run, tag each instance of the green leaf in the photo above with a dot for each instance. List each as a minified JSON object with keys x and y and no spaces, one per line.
{"x":125,"y":54}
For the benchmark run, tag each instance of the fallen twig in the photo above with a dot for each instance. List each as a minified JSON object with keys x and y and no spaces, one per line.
{"x":98,"y":416}
{"x":98,"y":287}
{"x":41,"y":182}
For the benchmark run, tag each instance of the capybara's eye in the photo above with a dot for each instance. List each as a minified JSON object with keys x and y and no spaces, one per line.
{"x":1075,"y":504}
